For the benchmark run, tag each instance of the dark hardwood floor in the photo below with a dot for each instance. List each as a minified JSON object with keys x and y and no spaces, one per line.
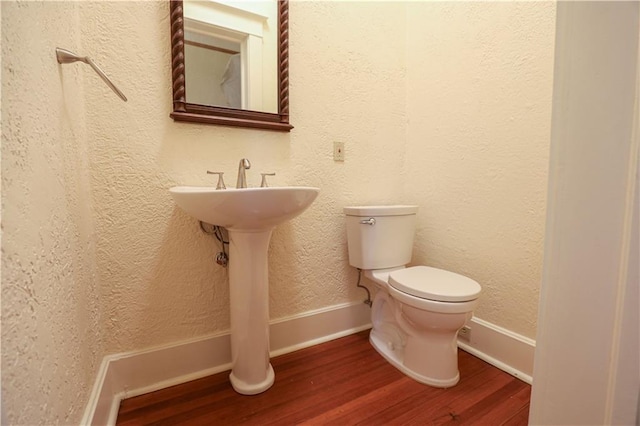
{"x":342,"y":382}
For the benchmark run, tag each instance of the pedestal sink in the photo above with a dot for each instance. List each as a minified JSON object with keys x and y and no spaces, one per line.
{"x":249,"y":214}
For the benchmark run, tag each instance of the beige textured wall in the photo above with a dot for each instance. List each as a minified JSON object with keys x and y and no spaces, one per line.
{"x":479,"y":111}
{"x":158,"y":278}
{"x":51,"y":343}
{"x":419,"y":126}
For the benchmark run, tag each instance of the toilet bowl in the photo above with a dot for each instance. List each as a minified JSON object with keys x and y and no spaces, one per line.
{"x":417,"y":311}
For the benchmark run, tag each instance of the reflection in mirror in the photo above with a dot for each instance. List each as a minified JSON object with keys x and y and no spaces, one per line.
{"x":231,"y":53}
{"x":212,"y":68}
{"x":230,"y":62}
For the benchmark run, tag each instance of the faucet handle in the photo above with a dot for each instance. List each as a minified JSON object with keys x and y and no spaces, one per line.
{"x":220,"y":184}
{"x":263,"y":184}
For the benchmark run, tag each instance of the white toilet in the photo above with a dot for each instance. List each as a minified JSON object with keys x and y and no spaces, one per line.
{"x":417,"y":311}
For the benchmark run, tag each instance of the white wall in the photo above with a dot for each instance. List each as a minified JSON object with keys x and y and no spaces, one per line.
{"x":479,"y":84}
{"x":51,"y":328}
{"x":586,"y":362}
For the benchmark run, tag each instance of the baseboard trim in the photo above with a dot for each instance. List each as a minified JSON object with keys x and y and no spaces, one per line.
{"x":135,"y":373}
{"x":501,"y":348}
{"x":130,"y":374}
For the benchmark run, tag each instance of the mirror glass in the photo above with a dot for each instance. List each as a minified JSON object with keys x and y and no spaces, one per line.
{"x":229,"y":60}
{"x":213,"y":70}
{"x":230,"y":53}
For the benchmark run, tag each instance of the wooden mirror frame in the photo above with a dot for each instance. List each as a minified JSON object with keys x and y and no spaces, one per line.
{"x":194,"y":113}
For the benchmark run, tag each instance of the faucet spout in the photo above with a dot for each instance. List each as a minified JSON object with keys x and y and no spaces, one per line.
{"x":242,"y":176}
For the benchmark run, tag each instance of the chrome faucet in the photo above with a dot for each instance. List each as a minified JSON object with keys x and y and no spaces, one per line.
{"x":242,"y":177}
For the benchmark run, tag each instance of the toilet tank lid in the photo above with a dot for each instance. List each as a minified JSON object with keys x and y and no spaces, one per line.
{"x":394,"y":210}
{"x":435,"y":284}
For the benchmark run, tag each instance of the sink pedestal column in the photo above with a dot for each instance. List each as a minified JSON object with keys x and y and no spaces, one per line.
{"x":251,"y":371}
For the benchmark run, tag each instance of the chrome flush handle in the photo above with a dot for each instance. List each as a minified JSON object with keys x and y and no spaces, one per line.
{"x":370,"y":221}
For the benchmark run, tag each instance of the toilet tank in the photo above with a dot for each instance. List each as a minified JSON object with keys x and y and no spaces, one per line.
{"x":380,"y":237}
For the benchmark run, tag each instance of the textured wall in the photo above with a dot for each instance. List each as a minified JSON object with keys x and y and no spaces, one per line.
{"x":479,"y":110}
{"x":460,"y":128}
{"x":50,"y":305}
{"x":158,"y":278}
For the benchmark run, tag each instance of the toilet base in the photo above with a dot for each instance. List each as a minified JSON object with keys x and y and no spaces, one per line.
{"x":394,"y":354}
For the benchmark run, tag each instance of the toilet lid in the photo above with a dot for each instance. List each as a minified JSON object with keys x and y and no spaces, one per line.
{"x":434,"y":284}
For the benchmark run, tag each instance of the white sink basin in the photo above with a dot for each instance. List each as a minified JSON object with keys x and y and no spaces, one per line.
{"x":244,"y":209}
{"x":249,"y":215}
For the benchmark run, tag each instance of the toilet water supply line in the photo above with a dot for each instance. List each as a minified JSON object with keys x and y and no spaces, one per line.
{"x":368,"y":300}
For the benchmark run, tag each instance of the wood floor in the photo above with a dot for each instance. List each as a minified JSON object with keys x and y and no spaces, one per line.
{"x":342,"y":382}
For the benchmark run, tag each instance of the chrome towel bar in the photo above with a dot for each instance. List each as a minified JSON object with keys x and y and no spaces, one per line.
{"x":66,"y":57}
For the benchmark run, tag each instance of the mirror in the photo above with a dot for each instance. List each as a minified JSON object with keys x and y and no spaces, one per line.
{"x":230,"y":62}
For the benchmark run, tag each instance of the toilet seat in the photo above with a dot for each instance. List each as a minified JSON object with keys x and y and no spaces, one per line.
{"x":434,"y":284}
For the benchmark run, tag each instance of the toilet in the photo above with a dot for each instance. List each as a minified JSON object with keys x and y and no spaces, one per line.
{"x":417,"y":311}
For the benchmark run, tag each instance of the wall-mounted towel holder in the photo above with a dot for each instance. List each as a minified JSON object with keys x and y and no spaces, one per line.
{"x":66,"y":57}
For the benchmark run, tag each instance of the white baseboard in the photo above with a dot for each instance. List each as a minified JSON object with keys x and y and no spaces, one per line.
{"x":501,"y":348}
{"x":135,"y":373}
